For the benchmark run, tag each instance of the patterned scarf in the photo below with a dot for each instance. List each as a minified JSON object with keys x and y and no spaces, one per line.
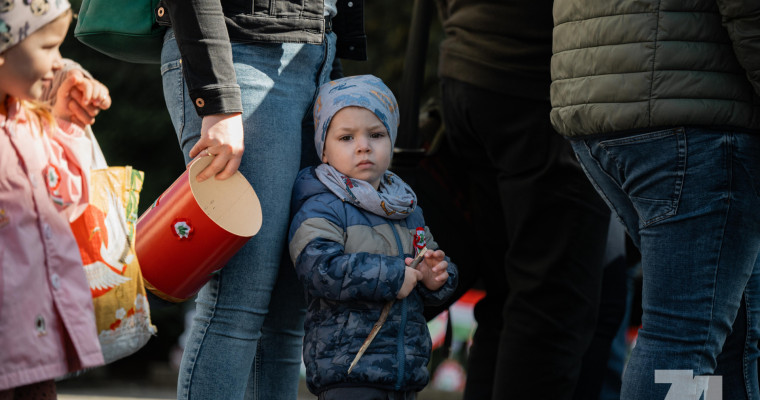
{"x":393,"y":199}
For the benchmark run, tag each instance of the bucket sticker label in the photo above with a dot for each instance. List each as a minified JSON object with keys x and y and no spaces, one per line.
{"x":182,"y":229}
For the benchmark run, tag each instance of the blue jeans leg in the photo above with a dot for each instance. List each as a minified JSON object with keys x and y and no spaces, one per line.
{"x":688,"y":198}
{"x":246,"y":336}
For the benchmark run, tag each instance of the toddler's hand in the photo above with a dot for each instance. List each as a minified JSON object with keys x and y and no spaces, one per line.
{"x":411,"y":277}
{"x":433,"y":268}
{"x":79,"y":99}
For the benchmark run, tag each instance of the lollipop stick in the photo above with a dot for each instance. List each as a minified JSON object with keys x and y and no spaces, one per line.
{"x":383,"y":317}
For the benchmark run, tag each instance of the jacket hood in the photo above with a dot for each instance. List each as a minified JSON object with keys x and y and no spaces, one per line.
{"x":305,"y":186}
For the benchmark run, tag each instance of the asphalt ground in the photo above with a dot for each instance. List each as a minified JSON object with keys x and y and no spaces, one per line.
{"x":158,"y":382}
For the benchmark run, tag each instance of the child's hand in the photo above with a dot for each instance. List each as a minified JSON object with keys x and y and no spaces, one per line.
{"x":79,"y":99}
{"x":411,"y":277}
{"x":433,"y":268}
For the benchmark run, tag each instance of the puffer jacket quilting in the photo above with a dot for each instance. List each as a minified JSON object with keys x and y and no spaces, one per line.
{"x":675,"y":63}
{"x":347,"y":260}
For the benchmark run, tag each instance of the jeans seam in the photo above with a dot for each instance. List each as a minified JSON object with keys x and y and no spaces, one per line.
{"x":598,"y":189}
{"x":745,"y":360}
{"x":747,"y":341}
{"x":320,"y":72}
{"x":645,"y":137}
{"x":190,"y":372}
{"x":710,"y":331}
{"x":683,"y":153}
{"x":325,"y":56}
{"x":257,"y":366}
{"x":181,"y":127}
{"x":745,"y":298}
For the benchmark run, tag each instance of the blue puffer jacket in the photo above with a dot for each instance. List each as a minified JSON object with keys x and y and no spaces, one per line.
{"x":349,"y":263}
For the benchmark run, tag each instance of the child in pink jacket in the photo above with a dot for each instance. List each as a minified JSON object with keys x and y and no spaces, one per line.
{"x":47,"y":326}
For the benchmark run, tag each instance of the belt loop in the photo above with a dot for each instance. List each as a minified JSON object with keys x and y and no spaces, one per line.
{"x":328,"y":24}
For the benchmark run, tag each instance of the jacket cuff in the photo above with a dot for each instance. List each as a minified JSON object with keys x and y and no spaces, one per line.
{"x":218,"y":100}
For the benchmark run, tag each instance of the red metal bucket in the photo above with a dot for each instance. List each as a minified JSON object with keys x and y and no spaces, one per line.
{"x":193,"y":229}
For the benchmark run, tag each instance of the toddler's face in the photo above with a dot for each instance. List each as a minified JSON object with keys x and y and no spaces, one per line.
{"x":358,"y":145}
{"x":26,"y":68}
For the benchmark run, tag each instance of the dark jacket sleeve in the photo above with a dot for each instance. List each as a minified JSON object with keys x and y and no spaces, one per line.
{"x":326,"y":271}
{"x":742,"y":20}
{"x":316,"y":243}
{"x":201,"y":33}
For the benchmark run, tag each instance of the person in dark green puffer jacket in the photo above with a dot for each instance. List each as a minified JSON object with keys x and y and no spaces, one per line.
{"x":660,"y":101}
{"x":638,"y":65}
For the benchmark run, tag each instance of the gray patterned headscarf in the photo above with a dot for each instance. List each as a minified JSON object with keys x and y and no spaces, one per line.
{"x":366,"y":91}
{"x":21,"y":18}
{"x":393,"y":199}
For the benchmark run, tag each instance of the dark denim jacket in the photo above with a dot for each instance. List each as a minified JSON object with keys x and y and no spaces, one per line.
{"x":207,"y":54}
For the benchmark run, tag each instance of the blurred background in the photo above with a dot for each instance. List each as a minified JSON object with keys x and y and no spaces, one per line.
{"x":137,"y":131}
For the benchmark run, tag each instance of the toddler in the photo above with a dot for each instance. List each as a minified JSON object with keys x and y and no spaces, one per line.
{"x":355,"y":230}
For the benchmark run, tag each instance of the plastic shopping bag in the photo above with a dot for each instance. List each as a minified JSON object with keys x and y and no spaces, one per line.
{"x":105,"y":235}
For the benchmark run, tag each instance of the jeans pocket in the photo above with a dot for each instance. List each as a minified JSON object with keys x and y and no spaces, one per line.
{"x":649,"y":168}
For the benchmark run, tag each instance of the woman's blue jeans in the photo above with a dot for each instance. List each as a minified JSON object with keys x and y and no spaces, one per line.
{"x":246,"y":337}
{"x":689,"y":200}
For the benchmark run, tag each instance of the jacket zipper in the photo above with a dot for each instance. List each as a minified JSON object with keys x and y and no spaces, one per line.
{"x":400,"y":356}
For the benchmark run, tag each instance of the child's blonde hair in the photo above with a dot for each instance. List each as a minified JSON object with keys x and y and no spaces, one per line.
{"x":41,"y":113}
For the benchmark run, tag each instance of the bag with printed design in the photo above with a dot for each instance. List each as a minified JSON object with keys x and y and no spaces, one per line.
{"x":105,"y":235}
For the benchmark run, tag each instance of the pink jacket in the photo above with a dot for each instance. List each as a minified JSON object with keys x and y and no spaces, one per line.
{"x":47,"y":325}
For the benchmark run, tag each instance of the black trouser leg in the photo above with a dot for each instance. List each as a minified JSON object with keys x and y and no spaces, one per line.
{"x":556,"y":228}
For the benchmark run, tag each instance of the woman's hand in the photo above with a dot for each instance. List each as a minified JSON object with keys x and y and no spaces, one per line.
{"x":221,"y":137}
